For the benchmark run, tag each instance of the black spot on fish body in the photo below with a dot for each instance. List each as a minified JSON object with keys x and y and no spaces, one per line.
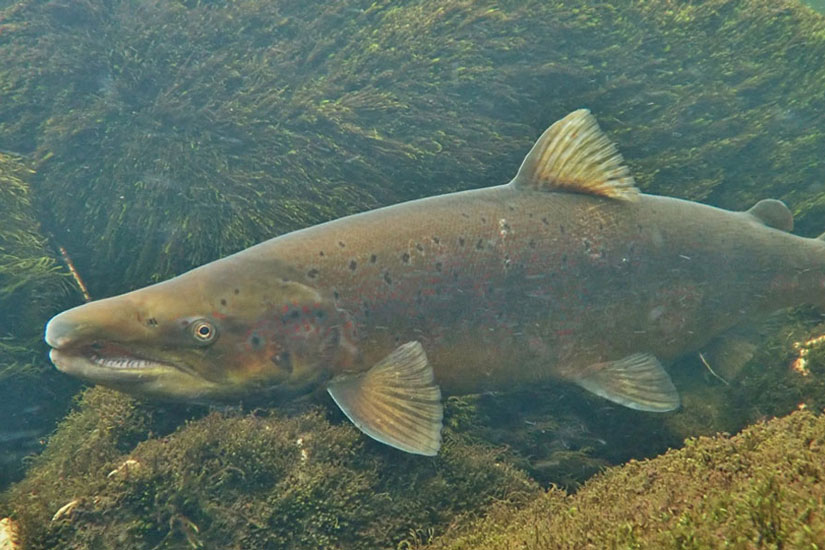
{"x":255,"y":341}
{"x":483,"y":219}
{"x":436,"y":240}
{"x":223,"y":301}
{"x":545,"y":221}
{"x":465,"y":215}
{"x":353,"y":265}
{"x":419,"y":247}
{"x":561,"y":229}
{"x":152,"y":322}
{"x":237,"y":291}
{"x":387,"y":278}
{"x":587,"y":245}
{"x":480,"y":244}
{"x":532,"y":243}
{"x":335,"y":295}
{"x":461,"y":241}
{"x":438,"y":266}
{"x":405,"y":257}
{"x":312,"y":273}
{"x":341,"y":244}
{"x":321,"y":253}
{"x":373,"y":259}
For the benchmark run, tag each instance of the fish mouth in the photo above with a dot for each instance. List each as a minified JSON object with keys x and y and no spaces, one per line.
{"x":110,"y":363}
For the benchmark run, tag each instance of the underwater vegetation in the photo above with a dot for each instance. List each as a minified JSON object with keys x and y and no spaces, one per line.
{"x":759,"y":489}
{"x":818,"y":5}
{"x":165,"y":134}
{"x":32,"y":287}
{"x":230,"y":480}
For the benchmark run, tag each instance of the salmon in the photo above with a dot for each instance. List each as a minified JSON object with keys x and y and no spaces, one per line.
{"x":567,"y":273}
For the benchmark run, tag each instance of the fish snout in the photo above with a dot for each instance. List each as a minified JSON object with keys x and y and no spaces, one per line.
{"x":60,"y":330}
{"x":84,"y":322}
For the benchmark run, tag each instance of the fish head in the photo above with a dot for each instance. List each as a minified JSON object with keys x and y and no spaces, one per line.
{"x":201,"y":339}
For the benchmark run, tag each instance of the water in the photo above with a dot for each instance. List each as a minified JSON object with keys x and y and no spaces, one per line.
{"x":147,"y":138}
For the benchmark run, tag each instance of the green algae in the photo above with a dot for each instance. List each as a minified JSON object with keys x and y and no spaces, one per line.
{"x":760,"y":489}
{"x":32,"y":286}
{"x":166,"y":134}
{"x":30,"y":278}
{"x":196,"y":128}
{"x":242,"y":480}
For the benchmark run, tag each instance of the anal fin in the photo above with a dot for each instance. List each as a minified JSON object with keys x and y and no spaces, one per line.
{"x":396,"y":402}
{"x":637,"y":381}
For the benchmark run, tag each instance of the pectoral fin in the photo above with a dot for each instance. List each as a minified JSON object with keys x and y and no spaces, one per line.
{"x":395,"y":402}
{"x":637,"y":381}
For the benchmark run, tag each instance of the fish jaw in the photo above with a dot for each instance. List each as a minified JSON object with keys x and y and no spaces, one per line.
{"x":100,"y":342}
{"x":130,"y":373}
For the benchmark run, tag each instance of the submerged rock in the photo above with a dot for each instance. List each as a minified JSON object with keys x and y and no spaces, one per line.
{"x":242,"y":481}
{"x":760,"y":489}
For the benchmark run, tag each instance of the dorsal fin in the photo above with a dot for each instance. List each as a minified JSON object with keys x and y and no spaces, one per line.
{"x":773,"y":213}
{"x":574,"y":155}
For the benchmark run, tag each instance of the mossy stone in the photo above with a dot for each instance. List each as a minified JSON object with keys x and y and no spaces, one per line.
{"x":243,"y":481}
{"x":759,"y":489}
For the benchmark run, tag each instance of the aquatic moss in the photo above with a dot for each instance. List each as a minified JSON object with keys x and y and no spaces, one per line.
{"x":32,"y":286}
{"x":30,"y":278}
{"x":166,"y":134}
{"x":760,"y":489}
{"x":243,"y":481}
{"x":170,"y":133}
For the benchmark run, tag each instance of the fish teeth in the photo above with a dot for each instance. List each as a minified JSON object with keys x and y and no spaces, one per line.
{"x":120,"y":362}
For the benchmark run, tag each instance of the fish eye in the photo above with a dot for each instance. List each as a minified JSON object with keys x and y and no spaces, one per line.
{"x":204,"y":331}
